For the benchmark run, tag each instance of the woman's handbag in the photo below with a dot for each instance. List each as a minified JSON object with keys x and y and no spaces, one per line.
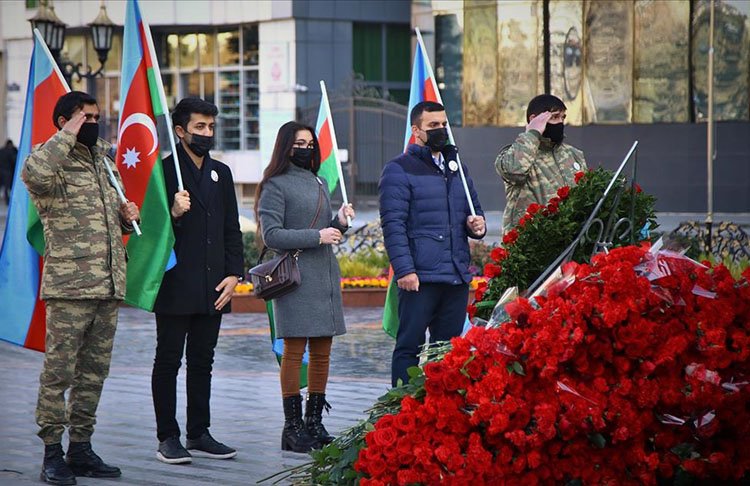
{"x":280,"y":275}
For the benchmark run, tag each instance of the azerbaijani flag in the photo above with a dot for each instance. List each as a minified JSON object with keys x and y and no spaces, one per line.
{"x":139,"y":162}
{"x":22,"y":320}
{"x":330,"y":165}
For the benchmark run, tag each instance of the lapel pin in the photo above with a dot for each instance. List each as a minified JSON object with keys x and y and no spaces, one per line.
{"x":453,"y":165}
{"x":576,"y":166}
{"x":214,"y":176}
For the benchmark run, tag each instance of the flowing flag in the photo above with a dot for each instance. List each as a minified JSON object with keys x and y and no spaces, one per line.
{"x":423,"y":88}
{"x":139,"y":162}
{"x":22,"y":320}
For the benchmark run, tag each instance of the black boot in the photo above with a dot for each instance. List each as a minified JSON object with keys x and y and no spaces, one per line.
{"x":316,"y":402}
{"x":294,"y":437}
{"x":54,"y":468}
{"x":83,"y":461}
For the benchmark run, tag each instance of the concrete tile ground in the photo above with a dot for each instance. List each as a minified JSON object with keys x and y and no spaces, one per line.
{"x":246,"y":403}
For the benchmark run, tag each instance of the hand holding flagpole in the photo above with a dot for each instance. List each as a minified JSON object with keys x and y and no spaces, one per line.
{"x":335,"y":148}
{"x":113,"y":181}
{"x":450,"y":133}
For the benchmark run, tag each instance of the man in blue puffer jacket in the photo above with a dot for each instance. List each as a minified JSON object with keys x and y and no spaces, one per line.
{"x":426,"y":221}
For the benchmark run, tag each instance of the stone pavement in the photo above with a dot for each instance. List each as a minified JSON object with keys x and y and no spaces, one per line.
{"x":246,"y":402}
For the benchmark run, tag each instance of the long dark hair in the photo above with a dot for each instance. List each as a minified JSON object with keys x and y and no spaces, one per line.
{"x":280,"y":160}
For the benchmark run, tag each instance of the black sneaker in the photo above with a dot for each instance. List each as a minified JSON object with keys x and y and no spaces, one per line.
{"x":172,"y":452}
{"x":207,"y":446}
{"x":83,"y":461}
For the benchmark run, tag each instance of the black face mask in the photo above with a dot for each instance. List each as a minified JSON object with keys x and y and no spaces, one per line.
{"x":303,"y":157}
{"x":88,"y":134}
{"x":200,"y":144}
{"x":554,"y":132}
{"x":436,"y":138}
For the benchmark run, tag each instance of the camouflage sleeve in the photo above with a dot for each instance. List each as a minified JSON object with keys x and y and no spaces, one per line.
{"x":515,"y":160}
{"x":45,"y":161}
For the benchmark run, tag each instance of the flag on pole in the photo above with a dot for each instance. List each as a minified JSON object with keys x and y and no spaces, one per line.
{"x":22,"y":320}
{"x":329,"y":163}
{"x":423,"y":88}
{"x":139,"y":162}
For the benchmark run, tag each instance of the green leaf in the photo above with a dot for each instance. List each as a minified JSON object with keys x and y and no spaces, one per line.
{"x":518,"y":368}
{"x":597,"y":440}
{"x":414,"y":371}
{"x":369,"y":427}
{"x":486,"y":304}
{"x":684,"y":450}
{"x":333,"y":451}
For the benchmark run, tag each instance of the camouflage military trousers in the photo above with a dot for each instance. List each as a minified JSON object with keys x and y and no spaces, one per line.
{"x":80,"y":335}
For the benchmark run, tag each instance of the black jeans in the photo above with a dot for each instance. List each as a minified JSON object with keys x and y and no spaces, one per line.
{"x":202,"y":332}
{"x":439,"y":307}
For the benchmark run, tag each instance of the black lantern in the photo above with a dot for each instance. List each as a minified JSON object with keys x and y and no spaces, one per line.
{"x":52,"y":30}
{"x":101,"y":33}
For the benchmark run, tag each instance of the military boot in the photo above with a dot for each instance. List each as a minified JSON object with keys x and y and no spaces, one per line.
{"x":54,"y":469}
{"x":83,"y":461}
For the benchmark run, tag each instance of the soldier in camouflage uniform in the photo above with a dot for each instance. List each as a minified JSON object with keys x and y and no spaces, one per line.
{"x":537,"y":163}
{"x":82,"y":283}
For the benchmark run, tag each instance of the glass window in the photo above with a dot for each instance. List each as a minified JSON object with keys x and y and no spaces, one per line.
{"x":660,"y":64}
{"x":208,"y":87}
{"x":170,"y":88}
{"x":114,"y":56}
{"x":449,"y":62}
{"x":368,"y":51}
{"x":398,"y":52}
{"x":229,"y":48}
{"x":229,"y":110}
{"x":190,"y":84}
{"x":206,"y":50}
{"x":73,"y":49}
{"x":250,"y":45}
{"x":188,"y":49}
{"x":480,"y":59}
{"x":171,"y":51}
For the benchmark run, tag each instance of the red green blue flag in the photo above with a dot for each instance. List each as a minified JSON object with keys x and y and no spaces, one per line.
{"x":22,"y":320}
{"x":139,"y":161}
{"x":330,"y":165}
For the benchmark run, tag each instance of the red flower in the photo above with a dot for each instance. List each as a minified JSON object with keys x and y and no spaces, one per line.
{"x":471,"y":309}
{"x":579,"y":175}
{"x":524,"y":219}
{"x":498,"y":254}
{"x":533,"y":208}
{"x":563,"y":192}
{"x":491,"y":271}
{"x":638,"y":189}
{"x":510,"y":237}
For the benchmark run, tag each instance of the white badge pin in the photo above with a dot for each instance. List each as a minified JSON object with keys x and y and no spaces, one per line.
{"x":453,"y":165}
{"x":576,"y":166}
{"x":214,"y":176}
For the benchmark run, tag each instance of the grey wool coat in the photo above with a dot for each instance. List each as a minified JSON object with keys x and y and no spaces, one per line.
{"x":286,"y":208}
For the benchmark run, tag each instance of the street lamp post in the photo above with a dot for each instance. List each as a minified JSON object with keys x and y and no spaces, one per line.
{"x":53,"y":32}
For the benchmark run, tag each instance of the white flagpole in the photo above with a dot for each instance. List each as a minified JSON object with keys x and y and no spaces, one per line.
{"x":51,"y":59}
{"x":163,"y":100}
{"x":450,"y":133}
{"x":335,"y":147}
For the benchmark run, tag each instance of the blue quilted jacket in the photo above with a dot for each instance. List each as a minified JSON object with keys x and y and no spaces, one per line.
{"x":423,"y":214}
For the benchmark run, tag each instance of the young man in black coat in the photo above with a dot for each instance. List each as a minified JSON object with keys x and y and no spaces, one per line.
{"x":198,"y":289}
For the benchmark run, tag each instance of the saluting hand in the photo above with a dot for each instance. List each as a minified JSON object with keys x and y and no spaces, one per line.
{"x":226,"y":287}
{"x":539,"y":122}
{"x":181,"y":204}
{"x":75,"y":123}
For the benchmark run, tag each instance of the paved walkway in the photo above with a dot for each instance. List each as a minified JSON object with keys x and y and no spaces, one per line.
{"x":246,"y":402}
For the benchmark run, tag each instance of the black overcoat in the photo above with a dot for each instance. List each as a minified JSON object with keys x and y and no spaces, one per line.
{"x":208,"y":242}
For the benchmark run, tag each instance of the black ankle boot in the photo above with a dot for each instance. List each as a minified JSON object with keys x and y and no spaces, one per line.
{"x":54,"y":468}
{"x":316,"y":402}
{"x":83,"y":461}
{"x":294,"y":437}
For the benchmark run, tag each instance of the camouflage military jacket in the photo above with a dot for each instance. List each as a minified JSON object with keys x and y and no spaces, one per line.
{"x":84,"y":256}
{"x":533,"y":169}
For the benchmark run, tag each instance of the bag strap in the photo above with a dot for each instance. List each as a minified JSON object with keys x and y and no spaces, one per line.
{"x":312,"y":225}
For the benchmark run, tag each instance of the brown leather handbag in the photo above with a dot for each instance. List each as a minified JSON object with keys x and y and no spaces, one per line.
{"x":280,"y":275}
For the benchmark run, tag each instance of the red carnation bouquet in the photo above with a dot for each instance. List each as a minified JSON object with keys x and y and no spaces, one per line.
{"x":633,"y":371}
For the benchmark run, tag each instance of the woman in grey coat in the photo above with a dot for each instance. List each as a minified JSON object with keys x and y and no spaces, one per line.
{"x":294,"y":212}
